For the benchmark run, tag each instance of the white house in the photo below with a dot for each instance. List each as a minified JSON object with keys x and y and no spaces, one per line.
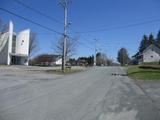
{"x":58,"y":61}
{"x":14,"y":47}
{"x":151,"y":54}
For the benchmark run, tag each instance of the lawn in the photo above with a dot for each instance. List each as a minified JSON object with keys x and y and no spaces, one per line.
{"x":143,"y":73}
{"x":2,"y":65}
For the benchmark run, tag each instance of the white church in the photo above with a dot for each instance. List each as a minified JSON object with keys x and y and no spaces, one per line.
{"x":14,"y":47}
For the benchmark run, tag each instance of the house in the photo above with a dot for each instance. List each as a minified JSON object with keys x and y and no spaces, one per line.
{"x":151,"y":54}
{"x":58,"y":61}
{"x":14,"y":47}
{"x":46,"y":60}
{"x":82,"y":61}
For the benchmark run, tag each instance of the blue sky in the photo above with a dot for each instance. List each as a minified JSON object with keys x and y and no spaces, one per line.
{"x":89,"y":15}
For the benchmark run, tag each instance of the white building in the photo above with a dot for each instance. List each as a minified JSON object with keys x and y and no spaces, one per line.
{"x":58,"y":61}
{"x":151,"y":54}
{"x":14,"y":48}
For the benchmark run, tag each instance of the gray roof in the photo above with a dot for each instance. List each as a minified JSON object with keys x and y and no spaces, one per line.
{"x":153,"y":48}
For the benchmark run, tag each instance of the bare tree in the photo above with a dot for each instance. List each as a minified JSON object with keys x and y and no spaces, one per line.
{"x":33,"y":44}
{"x":71,"y":46}
{"x":123,"y":56}
{"x":109,"y":61}
{"x":101,"y":59}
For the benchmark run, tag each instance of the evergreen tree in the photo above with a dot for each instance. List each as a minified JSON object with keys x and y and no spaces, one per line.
{"x":143,"y":44}
{"x":90,"y":60}
{"x":151,"y":40}
{"x":158,"y":39}
{"x":99,"y":59}
{"x":123,"y":57}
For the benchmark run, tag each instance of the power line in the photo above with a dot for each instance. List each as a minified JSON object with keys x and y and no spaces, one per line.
{"x":91,"y":31}
{"x":31,"y":21}
{"x":86,"y":40}
{"x":51,"y":18}
{"x":41,"y":13}
{"x":37,"y":11}
{"x":82,"y":36}
{"x":85,"y":45}
{"x":122,"y":27}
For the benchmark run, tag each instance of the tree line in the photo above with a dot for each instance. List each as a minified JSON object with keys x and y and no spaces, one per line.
{"x":147,"y":40}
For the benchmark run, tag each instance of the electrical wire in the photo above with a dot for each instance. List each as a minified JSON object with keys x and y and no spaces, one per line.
{"x":121,"y":27}
{"x":37,"y":11}
{"x":31,"y":21}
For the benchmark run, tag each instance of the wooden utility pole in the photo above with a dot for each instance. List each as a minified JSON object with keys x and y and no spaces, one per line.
{"x":64,"y":4}
{"x":95,"y":59}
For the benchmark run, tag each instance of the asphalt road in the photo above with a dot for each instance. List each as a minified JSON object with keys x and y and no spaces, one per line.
{"x":95,"y":94}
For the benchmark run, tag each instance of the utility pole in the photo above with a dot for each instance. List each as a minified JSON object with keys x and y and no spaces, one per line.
{"x":64,"y":4}
{"x":95,"y":59}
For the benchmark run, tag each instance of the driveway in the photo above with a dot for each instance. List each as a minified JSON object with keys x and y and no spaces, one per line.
{"x":152,"y":90}
{"x":96,"y":94}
